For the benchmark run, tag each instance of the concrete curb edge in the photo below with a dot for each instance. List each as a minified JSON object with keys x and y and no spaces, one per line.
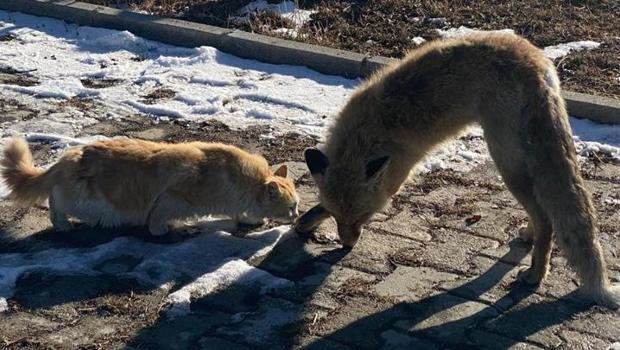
{"x":259,"y":47}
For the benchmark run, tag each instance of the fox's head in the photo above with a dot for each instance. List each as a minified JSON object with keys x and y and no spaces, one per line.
{"x":350,"y":189}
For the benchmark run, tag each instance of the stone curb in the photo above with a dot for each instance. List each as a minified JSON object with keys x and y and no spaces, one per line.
{"x":255,"y":46}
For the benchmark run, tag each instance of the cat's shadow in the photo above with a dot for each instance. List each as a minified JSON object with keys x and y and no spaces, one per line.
{"x":47,"y":257}
{"x":85,"y":236}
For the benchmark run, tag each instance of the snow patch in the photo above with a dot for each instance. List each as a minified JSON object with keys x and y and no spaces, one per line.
{"x":233,"y":272}
{"x":463,"y":31}
{"x":561,"y":50}
{"x":155,"y":110}
{"x":202,"y":78}
{"x":211,"y":259}
{"x":63,"y":141}
{"x":461,"y":154}
{"x":596,"y":138}
{"x":418,"y":40}
{"x":551,"y":52}
{"x":285,"y":9}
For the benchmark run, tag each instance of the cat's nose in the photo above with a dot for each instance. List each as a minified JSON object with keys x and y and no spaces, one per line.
{"x":293,"y":213}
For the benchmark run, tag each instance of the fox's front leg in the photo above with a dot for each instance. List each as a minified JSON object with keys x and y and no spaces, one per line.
{"x":311,"y":219}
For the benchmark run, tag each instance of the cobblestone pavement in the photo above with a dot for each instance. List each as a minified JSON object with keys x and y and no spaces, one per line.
{"x":425,"y":275}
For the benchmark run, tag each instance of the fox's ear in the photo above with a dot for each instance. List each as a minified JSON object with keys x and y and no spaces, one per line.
{"x":282,"y":171}
{"x":317,"y":162}
{"x":376,"y":166}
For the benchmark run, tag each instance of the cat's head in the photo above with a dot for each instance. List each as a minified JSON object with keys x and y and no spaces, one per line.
{"x":279,"y":199}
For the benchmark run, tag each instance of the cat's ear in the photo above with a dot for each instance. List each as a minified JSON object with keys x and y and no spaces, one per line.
{"x":272,"y":190}
{"x":282,"y":171}
{"x":317,"y":163}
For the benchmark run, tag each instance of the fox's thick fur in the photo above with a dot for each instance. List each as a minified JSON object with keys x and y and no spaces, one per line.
{"x":498,"y":80}
{"x":141,"y":183}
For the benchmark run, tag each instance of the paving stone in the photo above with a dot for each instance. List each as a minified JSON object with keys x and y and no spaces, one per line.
{"x":446,"y":317}
{"x":308,"y":197}
{"x":323,"y":300}
{"x":359,"y":321}
{"x":211,"y":343}
{"x":516,"y":252}
{"x":316,"y":343}
{"x":412,"y":283}
{"x":333,"y":277}
{"x":394,"y":340}
{"x":603,"y":323}
{"x":493,"y":282}
{"x":404,"y":224}
{"x":179,"y":333}
{"x":449,"y":250}
{"x":495,"y":222}
{"x":293,"y":257}
{"x":536,"y":319}
{"x":263,"y":326}
{"x":582,"y":341}
{"x":373,"y":252}
{"x":484,"y":340}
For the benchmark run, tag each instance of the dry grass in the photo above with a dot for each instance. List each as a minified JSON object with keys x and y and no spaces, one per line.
{"x":386,"y":27}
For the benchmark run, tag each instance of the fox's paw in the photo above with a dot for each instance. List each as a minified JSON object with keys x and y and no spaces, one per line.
{"x":526,"y":233}
{"x":531,"y":276}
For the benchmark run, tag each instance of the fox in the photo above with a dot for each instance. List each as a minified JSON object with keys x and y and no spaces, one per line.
{"x":133,"y":182}
{"x":504,"y":83}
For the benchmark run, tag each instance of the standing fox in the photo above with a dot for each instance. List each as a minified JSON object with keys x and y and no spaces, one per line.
{"x":135,"y":182}
{"x":505,"y":84}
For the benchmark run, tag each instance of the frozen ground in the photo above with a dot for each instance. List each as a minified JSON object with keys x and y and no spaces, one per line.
{"x":63,"y":85}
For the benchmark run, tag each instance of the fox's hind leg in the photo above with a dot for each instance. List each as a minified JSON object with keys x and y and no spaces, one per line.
{"x":539,"y":229}
{"x":57,"y":215}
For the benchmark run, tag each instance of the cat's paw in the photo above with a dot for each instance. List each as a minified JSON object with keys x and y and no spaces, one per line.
{"x":158,"y":230}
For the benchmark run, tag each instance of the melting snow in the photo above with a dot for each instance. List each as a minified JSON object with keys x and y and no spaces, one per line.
{"x":285,"y":9}
{"x":209,"y":83}
{"x":552,"y":52}
{"x":462,"y":31}
{"x":561,"y":50}
{"x":210,"y":261}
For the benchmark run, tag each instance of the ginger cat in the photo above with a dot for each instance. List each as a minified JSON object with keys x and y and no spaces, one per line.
{"x":134,"y":182}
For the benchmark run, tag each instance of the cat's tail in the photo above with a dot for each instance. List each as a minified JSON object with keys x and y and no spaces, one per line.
{"x":28,"y":185}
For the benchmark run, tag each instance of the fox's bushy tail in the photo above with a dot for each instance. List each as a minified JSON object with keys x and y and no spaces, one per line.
{"x":28,"y":185}
{"x":561,"y":191}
